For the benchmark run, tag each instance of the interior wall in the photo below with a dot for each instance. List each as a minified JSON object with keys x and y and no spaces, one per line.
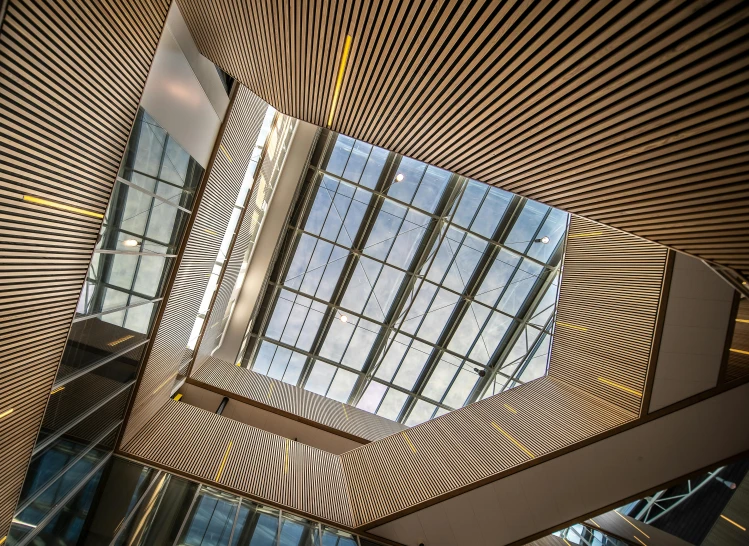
{"x":72,"y":76}
{"x":185,"y":103}
{"x":695,"y":328}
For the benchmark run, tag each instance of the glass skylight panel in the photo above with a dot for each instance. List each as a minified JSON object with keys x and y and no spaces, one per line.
{"x":406,"y":290}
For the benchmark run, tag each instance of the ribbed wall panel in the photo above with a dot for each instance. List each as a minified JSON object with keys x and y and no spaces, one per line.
{"x":632,"y":114}
{"x":266,"y":178}
{"x":607,"y":312}
{"x":224,"y":179}
{"x":399,"y":472}
{"x":248,"y":460}
{"x":71,"y":78}
{"x":268,"y":393}
{"x":738,"y":354}
{"x":467,"y":446}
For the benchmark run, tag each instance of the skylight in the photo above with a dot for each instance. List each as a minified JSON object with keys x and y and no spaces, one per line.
{"x":407,"y":290}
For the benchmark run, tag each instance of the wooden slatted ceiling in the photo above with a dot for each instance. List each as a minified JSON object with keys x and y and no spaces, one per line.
{"x":738,"y":354}
{"x":60,"y":141}
{"x":268,"y":393}
{"x":221,"y":187}
{"x":213,"y":448}
{"x":460,"y":449}
{"x":607,"y":312}
{"x":634,"y":114}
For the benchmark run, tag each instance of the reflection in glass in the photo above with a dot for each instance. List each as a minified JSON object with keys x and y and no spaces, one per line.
{"x":404,"y":289}
{"x":142,"y":229}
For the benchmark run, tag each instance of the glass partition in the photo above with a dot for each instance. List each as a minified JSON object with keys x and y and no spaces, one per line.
{"x":407,"y":290}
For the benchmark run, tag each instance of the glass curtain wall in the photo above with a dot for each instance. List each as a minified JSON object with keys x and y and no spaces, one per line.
{"x":142,"y":229}
{"x":407,"y":290}
{"x":126,"y":503}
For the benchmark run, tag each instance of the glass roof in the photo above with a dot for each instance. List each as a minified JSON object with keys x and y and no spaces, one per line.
{"x":407,"y":290}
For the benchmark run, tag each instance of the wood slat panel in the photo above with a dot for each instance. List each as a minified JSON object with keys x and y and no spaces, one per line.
{"x":738,"y":354}
{"x":536,"y":419}
{"x":607,"y":312}
{"x":633,"y":114}
{"x":62,"y":141}
{"x":248,"y":460}
{"x":380,"y":479}
{"x":634,"y":532}
{"x":168,"y":352}
{"x":297,"y":403}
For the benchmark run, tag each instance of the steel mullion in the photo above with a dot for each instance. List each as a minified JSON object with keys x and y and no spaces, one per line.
{"x":478,"y":276}
{"x":365,"y":228}
{"x":348,"y":312}
{"x":344,"y":367}
{"x":426,"y":213}
{"x":453,"y":190}
{"x":536,"y":294}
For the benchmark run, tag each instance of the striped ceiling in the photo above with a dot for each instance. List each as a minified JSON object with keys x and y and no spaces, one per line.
{"x":630,"y":113}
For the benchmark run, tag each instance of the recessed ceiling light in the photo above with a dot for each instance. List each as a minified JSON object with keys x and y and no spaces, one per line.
{"x":344,"y":318}
{"x":129,"y":242}
{"x":545,"y":240}
{"x":399,"y":177}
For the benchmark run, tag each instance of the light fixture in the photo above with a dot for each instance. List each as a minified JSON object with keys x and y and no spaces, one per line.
{"x":480,"y":371}
{"x":399,"y":177}
{"x":129,"y":242}
{"x":344,"y":318}
{"x":545,"y":240}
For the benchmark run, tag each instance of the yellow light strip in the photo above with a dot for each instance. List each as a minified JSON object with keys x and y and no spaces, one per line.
{"x":742,"y":320}
{"x":2,"y":540}
{"x":239,"y":363}
{"x":6,"y":413}
{"x":589,"y":234}
{"x":270,"y":391}
{"x":409,"y":441}
{"x":739,"y":351}
{"x":594,"y":523}
{"x":733,"y":522}
{"x":620,"y":387}
{"x":510,"y":408}
{"x":567,"y":543}
{"x":58,"y":389}
{"x":68,"y":208}
{"x":178,"y":397}
{"x":228,"y":157}
{"x":223,"y":461}
{"x":640,"y":541}
{"x":632,"y":524}
{"x":118,"y":341}
{"x":514,"y":441}
{"x":572,"y":326}
{"x":344,"y":410}
{"x":210,"y":232}
{"x":286,"y":459}
{"x":339,"y":80}
{"x":168,"y":379}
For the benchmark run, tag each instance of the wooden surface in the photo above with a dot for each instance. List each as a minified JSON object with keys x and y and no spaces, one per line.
{"x":466,"y":446}
{"x":634,"y":532}
{"x":213,"y":448}
{"x":726,"y":533}
{"x":274,"y":395}
{"x":60,"y":141}
{"x":607,"y":311}
{"x":738,"y":358}
{"x":624,"y":112}
{"x":440,"y":457}
{"x":221,"y":187}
